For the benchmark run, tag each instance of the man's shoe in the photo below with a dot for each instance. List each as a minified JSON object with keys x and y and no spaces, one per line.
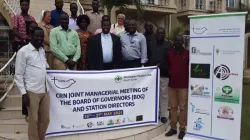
{"x":164,"y":120}
{"x":171,"y":132}
{"x":181,"y":135}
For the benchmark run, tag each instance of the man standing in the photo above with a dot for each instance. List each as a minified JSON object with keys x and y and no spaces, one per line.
{"x":104,"y":50}
{"x":178,"y":60}
{"x":105,"y":18}
{"x":73,"y":17}
{"x":30,"y":78}
{"x":126,"y":22}
{"x":65,"y":45}
{"x":134,"y":47}
{"x":158,"y":50}
{"x":149,"y":33}
{"x":55,"y":14}
{"x":95,"y":17}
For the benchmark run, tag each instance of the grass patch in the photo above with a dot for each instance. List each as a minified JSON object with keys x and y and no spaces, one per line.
{"x":245,"y":123}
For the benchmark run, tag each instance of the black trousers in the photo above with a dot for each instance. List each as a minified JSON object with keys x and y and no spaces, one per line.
{"x":108,"y":66}
{"x":132,"y":63}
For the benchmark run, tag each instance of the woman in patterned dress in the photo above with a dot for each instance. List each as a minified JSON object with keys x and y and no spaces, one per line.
{"x":20,"y":25}
{"x":83,"y":22}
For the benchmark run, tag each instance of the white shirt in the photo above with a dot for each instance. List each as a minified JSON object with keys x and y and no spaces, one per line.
{"x":107,"y":48}
{"x":117,"y":28}
{"x":30,"y":70}
{"x":72,"y":24}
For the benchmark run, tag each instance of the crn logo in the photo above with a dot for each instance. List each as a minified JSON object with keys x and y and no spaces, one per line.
{"x":63,"y":84}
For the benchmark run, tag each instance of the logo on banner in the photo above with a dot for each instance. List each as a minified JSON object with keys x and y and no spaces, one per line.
{"x":222,"y":72}
{"x":226,"y":52}
{"x":90,"y":124}
{"x":199,"y":31}
{"x":200,"y":90}
{"x":198,"y":124}
{"x":110,"y":122}
{"x":100,"y":123}
{"x":63,"y":84}
{"x":227,"y":94}
{"x":139,"y":118}
{"x":124,"y":120}
{"x":65,"y":127}
{"x":78,"y":126}
{"x":196,"y":51}
{"x":118,"y":79}
{"x":130,"y":120}
{"x":200,"y":71}
{"x":118,"y":121}
{"x":225,"y":112}
{"x":198,"y":110}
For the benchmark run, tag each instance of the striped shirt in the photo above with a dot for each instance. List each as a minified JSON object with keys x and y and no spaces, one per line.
{"x":134,"y":47}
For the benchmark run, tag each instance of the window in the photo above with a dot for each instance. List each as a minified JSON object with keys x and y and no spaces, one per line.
{"x":200,"y":4}
{"x":183,"y":3}
{"x":230,"y":3}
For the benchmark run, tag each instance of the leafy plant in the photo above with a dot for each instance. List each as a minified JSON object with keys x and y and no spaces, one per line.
{"x":178,"y":30}
{"x":123,"y":4}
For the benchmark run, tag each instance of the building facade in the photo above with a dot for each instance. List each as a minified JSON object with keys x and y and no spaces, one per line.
{"x":169,"y":13}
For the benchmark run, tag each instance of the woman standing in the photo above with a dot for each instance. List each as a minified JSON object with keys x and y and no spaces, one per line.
{"x":83,"y":22}
{"x":21,"y":25}
{"x":45,"y":25}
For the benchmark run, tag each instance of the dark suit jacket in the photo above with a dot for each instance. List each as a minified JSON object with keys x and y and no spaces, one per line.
{"x":95,"y":56}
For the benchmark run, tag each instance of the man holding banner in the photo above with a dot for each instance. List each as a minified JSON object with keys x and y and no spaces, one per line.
{"x":178,"y":61}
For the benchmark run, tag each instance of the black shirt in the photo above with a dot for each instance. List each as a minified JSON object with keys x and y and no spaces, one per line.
{"x":158,"y":55}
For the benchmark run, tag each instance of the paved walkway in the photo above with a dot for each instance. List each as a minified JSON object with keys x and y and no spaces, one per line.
{"x":163,"y":137}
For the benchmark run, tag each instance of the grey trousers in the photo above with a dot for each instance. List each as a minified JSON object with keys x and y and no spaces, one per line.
{"x":164,"y":97}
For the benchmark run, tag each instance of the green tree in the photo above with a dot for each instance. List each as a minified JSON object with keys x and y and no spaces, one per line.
{"x":178,"y":30}
{"x":123,"y":4}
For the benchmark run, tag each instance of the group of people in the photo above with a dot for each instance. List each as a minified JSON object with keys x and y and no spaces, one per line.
{"x":91,"y":42}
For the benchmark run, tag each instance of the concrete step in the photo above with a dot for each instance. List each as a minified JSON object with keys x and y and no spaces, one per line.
{"x":14,"y":91}
{"x":12,"y":136}
{"x":163,"y":137}
{"x":11,"y":113}
{"x":12,"y":101}
{"x":2,"y":87}
{"x":13,"y":126}
{"x":6,"y":80}
{"x":136,"y":133}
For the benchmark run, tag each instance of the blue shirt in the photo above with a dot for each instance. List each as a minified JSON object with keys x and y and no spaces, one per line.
{"x":107,"y":48}
{"x":55,"y":17}
{"x":134,"y":47}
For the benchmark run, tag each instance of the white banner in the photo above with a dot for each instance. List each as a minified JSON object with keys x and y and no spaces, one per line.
{"x":90,"y":101}
{"x":216,"y":75}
